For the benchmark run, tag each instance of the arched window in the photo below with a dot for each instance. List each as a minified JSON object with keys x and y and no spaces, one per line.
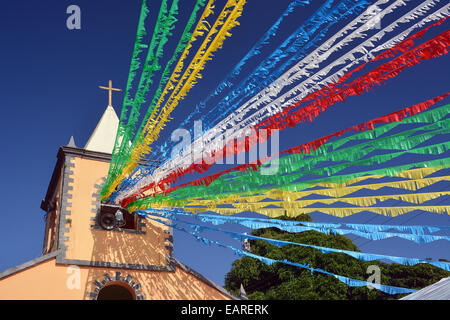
{"x":116,"y":291}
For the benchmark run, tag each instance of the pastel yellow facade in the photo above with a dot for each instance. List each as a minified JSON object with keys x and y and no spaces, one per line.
{"x":81,"y":259}
{"x":51,"y":281}
{"x":85,"y":243}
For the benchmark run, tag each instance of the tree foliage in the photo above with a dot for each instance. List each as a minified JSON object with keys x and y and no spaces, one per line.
{"x":285,"y":282}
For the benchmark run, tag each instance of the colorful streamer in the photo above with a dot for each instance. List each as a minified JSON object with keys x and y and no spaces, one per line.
{"x":227,"y":20}
{"x":224,"y":187}
{"x":280,"y":243}
{"x":368,"y":231}
{"x":368,"y":43}
{"x":432,"y":48}
{"x":184,"y":45}
{"x":225,"y":105}
{"x":348,"y":281}
{"x":268,"y":68}
{"x":288,"y":87}
{"x":413,"y":112}
{"x":164,"y":26}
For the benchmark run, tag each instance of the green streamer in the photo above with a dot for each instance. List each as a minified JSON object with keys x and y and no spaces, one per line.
{"x":252,"y":179}
{"x":165,"y":23}
{"x":134,"y":66}
{"x":331,"y":152}
{"x":297,"y":162}
{"x":250,"y":182}
{"x":193,"y":192}
{"x":427,"y":116}
{"x":186,"y":36}
{"x":123,"y":156}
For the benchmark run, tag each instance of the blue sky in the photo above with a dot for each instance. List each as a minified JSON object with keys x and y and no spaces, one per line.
{"x":49,"y":85}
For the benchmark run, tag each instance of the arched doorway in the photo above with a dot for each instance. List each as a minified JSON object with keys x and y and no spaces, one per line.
{"x":116,"y":287}
{"x":116,"y":291}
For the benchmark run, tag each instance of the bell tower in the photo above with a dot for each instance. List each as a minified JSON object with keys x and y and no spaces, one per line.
{"x":78,"y":225}
{"x":88,"y":256}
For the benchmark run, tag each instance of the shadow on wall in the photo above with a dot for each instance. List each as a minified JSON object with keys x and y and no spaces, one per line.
{"x":144,"y":249}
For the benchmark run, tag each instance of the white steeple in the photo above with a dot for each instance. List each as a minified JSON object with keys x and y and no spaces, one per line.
{"x":104,"y":135}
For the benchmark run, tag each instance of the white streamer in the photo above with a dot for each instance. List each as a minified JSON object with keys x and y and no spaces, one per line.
{"x":241,"y":126}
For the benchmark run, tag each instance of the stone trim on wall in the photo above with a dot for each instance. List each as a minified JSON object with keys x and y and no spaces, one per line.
{"x":65,"y":212}
{"x":115,"y":279}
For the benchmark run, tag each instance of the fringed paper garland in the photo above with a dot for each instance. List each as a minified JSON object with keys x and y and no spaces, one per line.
{"x":401,"y":115}
{"x":348,"y":281}
{"x":280,"y":243}
{"x":257,"y":117}
{"x":226,"y":21}
{"x":184,"y":45}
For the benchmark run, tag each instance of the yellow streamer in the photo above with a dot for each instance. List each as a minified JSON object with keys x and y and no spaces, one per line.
{"x":336,"y":190}
{"x":199,"y":31}
{"x":156,"y":123}
{"x":338,"y":212}
{"x":416,"y":198}
{"x":289,"y":205}
{"x":198,"y":64}
{"x":335,"y":193}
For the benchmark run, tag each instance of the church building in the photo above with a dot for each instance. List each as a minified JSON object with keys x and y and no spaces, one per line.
{"x":81,"y":259}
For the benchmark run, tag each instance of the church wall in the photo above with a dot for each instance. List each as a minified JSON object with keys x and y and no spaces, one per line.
{"x":88,"y":244}
{"x":45,"y":280}
{"x":88,"y":258}
{"x":48,"y":280}
{"x":164,"y":285}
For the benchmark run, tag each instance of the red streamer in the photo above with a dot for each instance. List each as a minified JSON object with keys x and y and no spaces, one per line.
{"x":314,"y":144}
{"x":324,"y":98}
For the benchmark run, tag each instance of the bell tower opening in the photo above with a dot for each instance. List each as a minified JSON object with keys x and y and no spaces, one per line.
{"x":116,"y":291}
{"x":111,"y":217}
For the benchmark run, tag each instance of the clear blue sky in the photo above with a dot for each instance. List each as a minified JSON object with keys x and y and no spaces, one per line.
{"x":49,"y":79}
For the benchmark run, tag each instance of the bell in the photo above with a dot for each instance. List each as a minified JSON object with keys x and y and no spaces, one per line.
{"x":120,"y":221}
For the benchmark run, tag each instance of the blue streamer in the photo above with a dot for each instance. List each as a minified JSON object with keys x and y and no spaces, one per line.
{"x":348,"y":281}
{"x":264,"y":74}
{"x":371,"y":232}
{"x":280,"y":243}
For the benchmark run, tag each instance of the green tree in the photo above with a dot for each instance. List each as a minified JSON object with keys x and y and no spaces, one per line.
{"x":284,"y":282}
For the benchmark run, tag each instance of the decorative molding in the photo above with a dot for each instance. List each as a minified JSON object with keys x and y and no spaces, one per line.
{"x":97,"y":227}
{"x":87,"y":154}
{"x":117,"y":278}
{"x":116,"y":265}
{"x":64,"y":211}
